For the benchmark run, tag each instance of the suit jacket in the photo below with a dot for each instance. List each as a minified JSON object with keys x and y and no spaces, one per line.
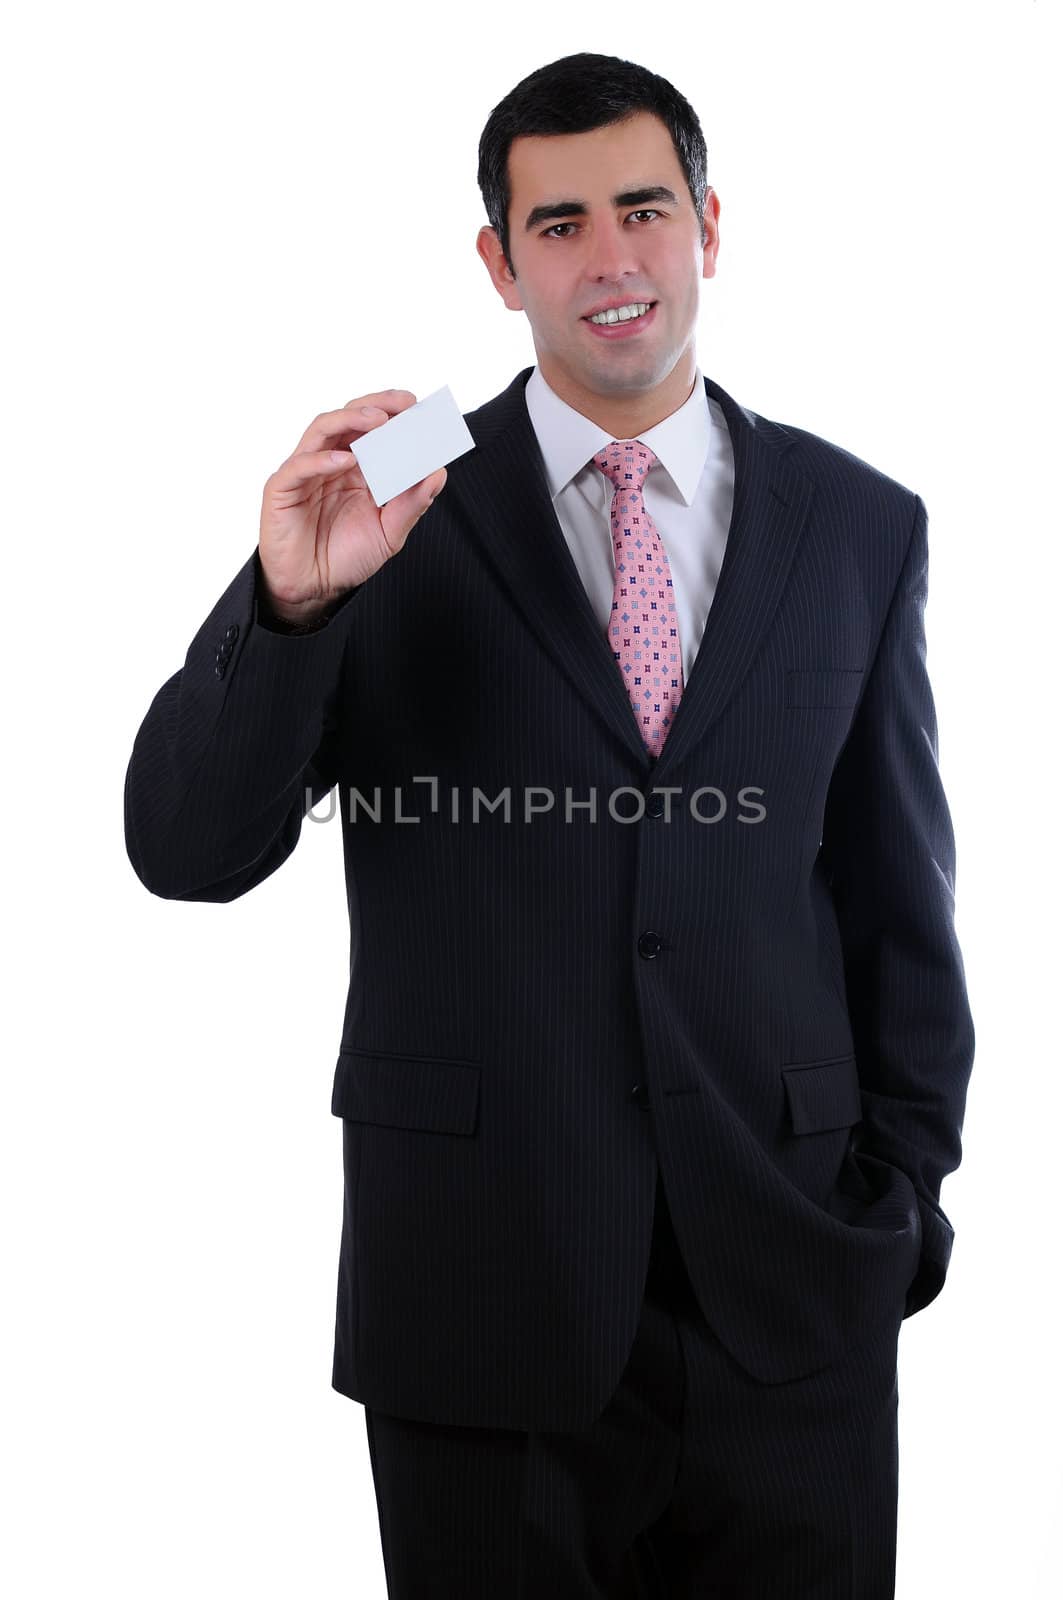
{"x":544,"y":1006}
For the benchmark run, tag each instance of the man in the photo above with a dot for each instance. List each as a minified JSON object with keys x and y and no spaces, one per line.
{"x":657,"y":1042}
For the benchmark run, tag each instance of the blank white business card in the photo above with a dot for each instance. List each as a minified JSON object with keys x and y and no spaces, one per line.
{"x":409,"y":446}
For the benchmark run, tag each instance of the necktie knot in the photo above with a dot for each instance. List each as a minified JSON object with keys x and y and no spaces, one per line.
{"x":625,"y":462}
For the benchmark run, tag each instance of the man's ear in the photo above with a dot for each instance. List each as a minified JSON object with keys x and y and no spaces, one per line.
{"x":712,"y":233}
{"x":489,"y":249}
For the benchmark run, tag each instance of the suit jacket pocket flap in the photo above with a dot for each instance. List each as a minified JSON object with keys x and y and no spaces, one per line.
{"x":823,"y":1094}
{"x":433,"y":1094}
{"x":823,"y":686}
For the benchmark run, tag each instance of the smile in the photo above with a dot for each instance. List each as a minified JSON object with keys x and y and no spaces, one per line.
{"x":627,"y":329}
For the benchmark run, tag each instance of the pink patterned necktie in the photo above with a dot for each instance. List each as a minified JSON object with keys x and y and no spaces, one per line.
{"x":643,"y":625}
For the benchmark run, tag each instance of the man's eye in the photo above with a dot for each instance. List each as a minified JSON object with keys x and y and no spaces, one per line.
{"x":553,"y":230}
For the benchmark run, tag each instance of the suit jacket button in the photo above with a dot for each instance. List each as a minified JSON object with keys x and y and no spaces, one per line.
{"x":219,"y":669}
{"x":655,"y":805}
{"x":232,"y":631}
{"x":641,"y":1096}
{"x":649,"y":945}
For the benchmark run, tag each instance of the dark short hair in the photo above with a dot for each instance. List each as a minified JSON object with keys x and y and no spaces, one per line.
{"x":574,"y":95}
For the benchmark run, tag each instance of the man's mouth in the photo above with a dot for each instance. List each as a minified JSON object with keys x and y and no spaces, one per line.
{"x":620,"y":330}
{"x":631,"y":311}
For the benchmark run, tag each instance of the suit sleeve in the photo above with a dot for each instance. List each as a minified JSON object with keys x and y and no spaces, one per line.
{"x":890,"y":854}
{"x":217,"y":784}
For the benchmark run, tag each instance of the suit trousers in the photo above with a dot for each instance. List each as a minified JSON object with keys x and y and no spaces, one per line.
{"x":695,"y":1480}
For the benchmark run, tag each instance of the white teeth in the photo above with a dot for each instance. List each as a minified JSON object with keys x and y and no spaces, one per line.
{"x":622,"y":313}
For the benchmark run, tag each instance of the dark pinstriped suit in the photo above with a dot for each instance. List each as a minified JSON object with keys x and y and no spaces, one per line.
{"x":789,"y":993}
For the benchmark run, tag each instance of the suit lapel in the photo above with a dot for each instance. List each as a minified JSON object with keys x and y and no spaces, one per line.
{"x":503,"y":497}
{"x":771,"y":503}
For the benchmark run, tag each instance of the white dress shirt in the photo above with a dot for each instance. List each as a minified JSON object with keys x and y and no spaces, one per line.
{"x":689,"y":492}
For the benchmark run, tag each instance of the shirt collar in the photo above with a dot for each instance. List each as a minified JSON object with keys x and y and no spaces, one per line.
{"x":568,"y":439}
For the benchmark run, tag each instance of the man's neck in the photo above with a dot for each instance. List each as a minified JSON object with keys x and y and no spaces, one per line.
{"x":627,"y":417}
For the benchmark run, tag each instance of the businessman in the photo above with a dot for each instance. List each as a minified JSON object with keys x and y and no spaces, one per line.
{"x":657,"y":1043}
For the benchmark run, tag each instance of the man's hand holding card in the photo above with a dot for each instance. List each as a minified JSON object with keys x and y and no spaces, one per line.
{"x":328,"y":521}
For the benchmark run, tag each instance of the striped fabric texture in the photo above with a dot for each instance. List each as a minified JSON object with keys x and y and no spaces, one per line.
{"x":572,"y":964}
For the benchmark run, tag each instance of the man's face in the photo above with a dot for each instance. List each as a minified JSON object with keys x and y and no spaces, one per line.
{"x":647,"y":249}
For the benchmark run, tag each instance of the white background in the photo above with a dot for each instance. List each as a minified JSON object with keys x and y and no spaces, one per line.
{"x":221,"y":221}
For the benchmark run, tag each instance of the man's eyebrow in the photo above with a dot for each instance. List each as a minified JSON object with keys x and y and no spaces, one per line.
{"x":578,"y":208}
